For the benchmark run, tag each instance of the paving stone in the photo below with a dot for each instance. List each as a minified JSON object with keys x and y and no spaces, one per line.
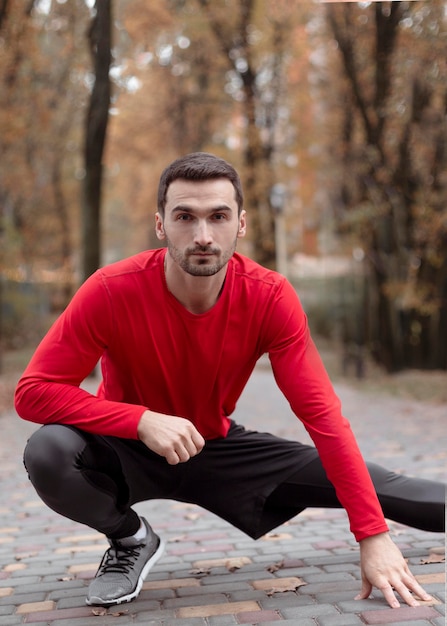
{"x":246,"y":594}
{"x":19,"y":581}
{"x":428,"y":579}
{"x":232,"y":608}
{"x":162,"y":615}
{"x":196,"y":600}
{"x":86,"y":621}
{"x":339,"y":577}
{"x":56,"y":558}
{"x":292,"y":622}
{"x":393,"y":616}
{"x":412,"y":622}
{"x":221,"y":620}
{"x":314,"y":610}
{"x":32,"y":607}
{"x":172,"y":583}
{"x":358,"y":606}
{"x":21,"y":598}
{"x":198,"y":621}
{"x":284,"y":600}
{"x":239,"y":576}
{"x":330,"y":586}
{"x":228,"y":589}
{"x":301,"y":572}
{"x":10,"y":620}
{"x":6,"y":591}
{"x":337,"y":597}
{"x":260,"y":617}
{"x":278,"y":584}
{"x":339,"y":620}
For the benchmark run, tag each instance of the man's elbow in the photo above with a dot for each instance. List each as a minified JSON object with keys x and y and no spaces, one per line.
{"x":24,"y":400}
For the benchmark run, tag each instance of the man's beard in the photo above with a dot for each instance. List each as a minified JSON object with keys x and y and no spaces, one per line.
{"x":201,"y":267}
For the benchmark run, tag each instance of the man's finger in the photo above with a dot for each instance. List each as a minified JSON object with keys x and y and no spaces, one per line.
{"x":198,"y":441}
{"x":172,"y":457}
{"x":419,"y":591}
{"x":405,"y":594}
{"x":388,"y":592}
{"x":416,"y":588}
{"x":365,"y":592}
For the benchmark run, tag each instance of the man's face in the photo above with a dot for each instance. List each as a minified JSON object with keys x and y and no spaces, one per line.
{"x":201,"y":224}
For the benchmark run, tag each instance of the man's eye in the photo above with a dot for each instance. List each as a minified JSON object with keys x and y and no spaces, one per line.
{"x":183,"y":217}
{"x":219,"y":216}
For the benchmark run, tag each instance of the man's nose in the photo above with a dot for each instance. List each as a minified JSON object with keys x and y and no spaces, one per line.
{"x":203,"y":234}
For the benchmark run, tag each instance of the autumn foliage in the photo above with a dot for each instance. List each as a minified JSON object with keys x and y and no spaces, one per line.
{"x":342,"y":103}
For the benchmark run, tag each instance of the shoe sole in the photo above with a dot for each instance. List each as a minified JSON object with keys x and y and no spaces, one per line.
{"x":131,"y":596}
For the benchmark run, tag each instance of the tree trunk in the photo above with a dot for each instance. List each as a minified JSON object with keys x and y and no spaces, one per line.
{"x":96,"y":127}
{"x":407,"y":259}
{"x":258,"y":182}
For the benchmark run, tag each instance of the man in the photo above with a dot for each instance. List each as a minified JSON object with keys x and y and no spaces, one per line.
{"x":178,"y":331}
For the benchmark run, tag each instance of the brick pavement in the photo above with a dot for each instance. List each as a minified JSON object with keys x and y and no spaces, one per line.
{"x":305,"y":573}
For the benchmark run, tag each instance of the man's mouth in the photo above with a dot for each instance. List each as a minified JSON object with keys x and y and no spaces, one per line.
{"x":203,"y":253}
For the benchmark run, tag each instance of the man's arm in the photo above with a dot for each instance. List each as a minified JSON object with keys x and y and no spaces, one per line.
{"x":302,"y":378}
{"x":49,"y":389}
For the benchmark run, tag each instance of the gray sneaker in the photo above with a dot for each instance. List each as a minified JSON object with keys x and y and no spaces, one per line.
{"x":123,"y":569}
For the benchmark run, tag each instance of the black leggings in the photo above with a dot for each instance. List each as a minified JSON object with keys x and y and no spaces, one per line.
{"x":412,"y":501}
{"x":95,"y":480}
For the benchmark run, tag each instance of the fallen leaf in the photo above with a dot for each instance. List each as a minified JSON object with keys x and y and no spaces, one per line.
{"x":178,"y":539}
{"x":283,"y":588}
{"x":276,"y":536}
{"x":433,"y":558}
{"x":275,"y":567}
{"x":99,"y":611}
{"x":236,"y":563}
{"x":25,"y":555}
{"x":192,"y":516}
{"x":199,"y":571}
{"x":119,"y":613}
{"x":279,"y":585}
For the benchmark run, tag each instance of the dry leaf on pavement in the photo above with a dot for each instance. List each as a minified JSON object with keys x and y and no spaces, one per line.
{"x":433,"y":558}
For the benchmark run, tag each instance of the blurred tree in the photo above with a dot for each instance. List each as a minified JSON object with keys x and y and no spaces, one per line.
{"x":39,"y":106}
{"x":38,"y":142}
{"x":221,"y":76}
{"x":100,"y":41}
{"x":259,"y":83}
{"x":393,"y":186}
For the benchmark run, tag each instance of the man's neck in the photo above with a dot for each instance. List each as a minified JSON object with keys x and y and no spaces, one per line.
{"x":198,"y":294}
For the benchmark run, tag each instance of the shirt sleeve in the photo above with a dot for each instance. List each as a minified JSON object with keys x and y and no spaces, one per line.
{"x":302,"y":377}
{"x":49,"y":390}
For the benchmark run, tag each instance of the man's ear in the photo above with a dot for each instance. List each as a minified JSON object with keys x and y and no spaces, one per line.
{"x":242,"y":225}
{"x":159,"y":228}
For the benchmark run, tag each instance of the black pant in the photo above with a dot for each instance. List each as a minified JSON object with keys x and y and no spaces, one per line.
{"x":254,"y":480}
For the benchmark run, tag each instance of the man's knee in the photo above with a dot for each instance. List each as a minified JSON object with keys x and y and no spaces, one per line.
{"x":50,"y":450}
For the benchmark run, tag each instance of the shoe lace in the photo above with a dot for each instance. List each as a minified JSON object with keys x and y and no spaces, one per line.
{"x":119,"y":560}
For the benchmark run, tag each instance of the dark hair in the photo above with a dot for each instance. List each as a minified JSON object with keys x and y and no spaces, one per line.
{"x":198,"y":166}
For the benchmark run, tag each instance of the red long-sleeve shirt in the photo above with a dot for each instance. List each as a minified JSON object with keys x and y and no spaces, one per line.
{"x":157,"y":355}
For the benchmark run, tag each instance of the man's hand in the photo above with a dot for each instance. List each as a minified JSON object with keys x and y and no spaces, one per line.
{"x":384,"y":567}
{"x":175,"y":438}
